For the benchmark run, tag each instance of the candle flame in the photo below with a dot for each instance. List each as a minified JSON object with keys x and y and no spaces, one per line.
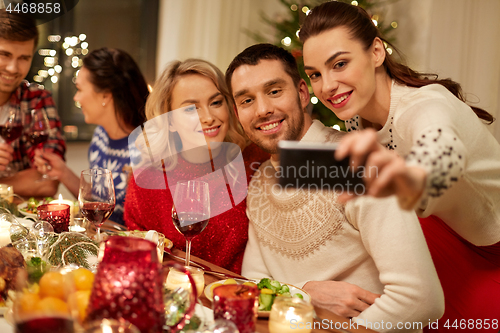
{"x":60,"y":196}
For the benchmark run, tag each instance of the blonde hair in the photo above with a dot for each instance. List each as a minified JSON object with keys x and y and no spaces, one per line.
{"x":160,"y":102}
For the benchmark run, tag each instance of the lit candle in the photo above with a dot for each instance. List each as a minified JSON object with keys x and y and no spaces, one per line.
{"x":177,"y":279}
{"x":4,"y":233}
{"x":71,"y":207}
{"x":290,"y":314}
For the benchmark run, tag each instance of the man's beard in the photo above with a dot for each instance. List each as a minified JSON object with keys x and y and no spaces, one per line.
{"x":269,"y":144}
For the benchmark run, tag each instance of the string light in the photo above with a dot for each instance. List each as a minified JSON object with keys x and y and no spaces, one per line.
{"x":394,"y":24}
{"x":337,"y":127}
{"x":51,"y":71}
{"x":49,"y":61}
{"x":294,"y":7}
{"x":354,"y":3}
{"x":287,"y":41}
{"x":54,"y":38}
{"x":53,"y":79}
{"x":58,"y":68}
{"x":375,"y":22}
{"x":314,"y":100}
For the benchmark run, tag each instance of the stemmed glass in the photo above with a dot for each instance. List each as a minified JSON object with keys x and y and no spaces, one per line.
{"x":191,"y":210}
{"x":96,"y":196}
{"x":39,"y":131}
{"x":11,"y":131}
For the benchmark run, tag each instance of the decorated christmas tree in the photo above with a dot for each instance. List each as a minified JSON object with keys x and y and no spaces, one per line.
{"x":286,"y":35}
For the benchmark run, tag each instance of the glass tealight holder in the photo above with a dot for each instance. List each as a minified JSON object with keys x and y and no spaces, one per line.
{"x":56,"y":214}
{"x":111,"y":326}
{"x":177,"y":279}
{"x":291,"y":314}
{"x":78,"y":225}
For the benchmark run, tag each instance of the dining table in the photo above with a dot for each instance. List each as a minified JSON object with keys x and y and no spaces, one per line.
{"x":325,"y":321}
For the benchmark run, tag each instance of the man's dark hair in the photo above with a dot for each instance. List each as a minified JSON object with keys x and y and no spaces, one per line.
{"x":18,"y":27}
{"x":254,"y":54}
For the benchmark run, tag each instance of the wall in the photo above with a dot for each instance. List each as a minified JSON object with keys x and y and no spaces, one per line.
{"x":457,"y":39}
{"x":212,"y":30}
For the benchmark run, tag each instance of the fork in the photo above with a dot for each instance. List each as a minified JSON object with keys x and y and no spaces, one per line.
{"x":206,"y":268}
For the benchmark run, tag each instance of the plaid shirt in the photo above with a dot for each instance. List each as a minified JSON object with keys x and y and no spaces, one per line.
{"x":27,"y":97}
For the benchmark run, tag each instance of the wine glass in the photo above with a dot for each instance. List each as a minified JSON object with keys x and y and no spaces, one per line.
{"x":11,"y":131}
{"x":39,"y":131}
{"x":96,"y":196}
{"x":191,"y":210}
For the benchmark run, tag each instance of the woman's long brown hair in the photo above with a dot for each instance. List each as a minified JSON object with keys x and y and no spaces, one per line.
{"x":335,"y":14}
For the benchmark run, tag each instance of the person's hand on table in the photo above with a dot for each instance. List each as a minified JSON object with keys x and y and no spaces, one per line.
{"x":341,"y":298}
{"x":6,"y":156}
{"x":49,"y":163}
{"x":386,"y":172}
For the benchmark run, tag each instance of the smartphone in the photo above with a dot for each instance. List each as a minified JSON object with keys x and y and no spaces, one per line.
{"x":312,"y":166}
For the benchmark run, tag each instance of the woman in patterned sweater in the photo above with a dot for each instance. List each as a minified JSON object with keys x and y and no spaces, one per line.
{"x":112,"y":93}
{"x":444,"y":162}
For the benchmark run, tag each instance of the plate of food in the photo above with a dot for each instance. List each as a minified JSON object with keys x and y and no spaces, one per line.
{"x":29,"y":208}
{"x":269,"y":290}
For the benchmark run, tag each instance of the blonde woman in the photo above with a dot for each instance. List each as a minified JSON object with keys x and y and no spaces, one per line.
{"x":189,"y":109}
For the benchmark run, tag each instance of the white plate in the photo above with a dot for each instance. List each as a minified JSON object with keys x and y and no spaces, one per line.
{"x":25,"y":222}
{"x":21,"y":208}
{"x":293,"y":290}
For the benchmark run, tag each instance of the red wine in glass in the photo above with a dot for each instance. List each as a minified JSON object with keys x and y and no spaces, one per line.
{"x":97,"y":212}
{"x":96,"y":196}
{"x":191,"y":225}
{"x":11,"y":133}
{"x":38,"y":137}
{"x":46,"y":325}
{"x":192,"y":200}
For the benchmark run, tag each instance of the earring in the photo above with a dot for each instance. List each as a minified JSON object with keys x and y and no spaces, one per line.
{"x":103,"y":104}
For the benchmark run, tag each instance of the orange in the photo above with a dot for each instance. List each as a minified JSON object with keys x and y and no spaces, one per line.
{"x":51,"y":306}
{"x":84,"y":279}
{"x":80,"y":300}
{"x":251,"y":284}
{"x":230,"y":281}
{"x":28,"y":302}
{"x":215,"y":285}
{"x":52,"y":285}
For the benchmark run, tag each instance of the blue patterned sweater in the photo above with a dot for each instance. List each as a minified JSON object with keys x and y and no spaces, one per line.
{"x":113,"y":155}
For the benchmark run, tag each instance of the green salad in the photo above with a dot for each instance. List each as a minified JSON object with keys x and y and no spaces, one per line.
{"x":269,"y":290}
{"x":33,"y":203}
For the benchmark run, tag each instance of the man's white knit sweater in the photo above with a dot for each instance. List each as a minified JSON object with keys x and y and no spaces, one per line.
{"x":299,"y":236}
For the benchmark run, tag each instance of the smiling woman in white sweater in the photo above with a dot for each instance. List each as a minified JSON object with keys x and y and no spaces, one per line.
{"x":432,"y":150}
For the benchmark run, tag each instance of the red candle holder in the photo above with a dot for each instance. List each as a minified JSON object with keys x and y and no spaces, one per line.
{"x":237,"y":303}
{"x":128,"y":286}
{"x":57,"y":215}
